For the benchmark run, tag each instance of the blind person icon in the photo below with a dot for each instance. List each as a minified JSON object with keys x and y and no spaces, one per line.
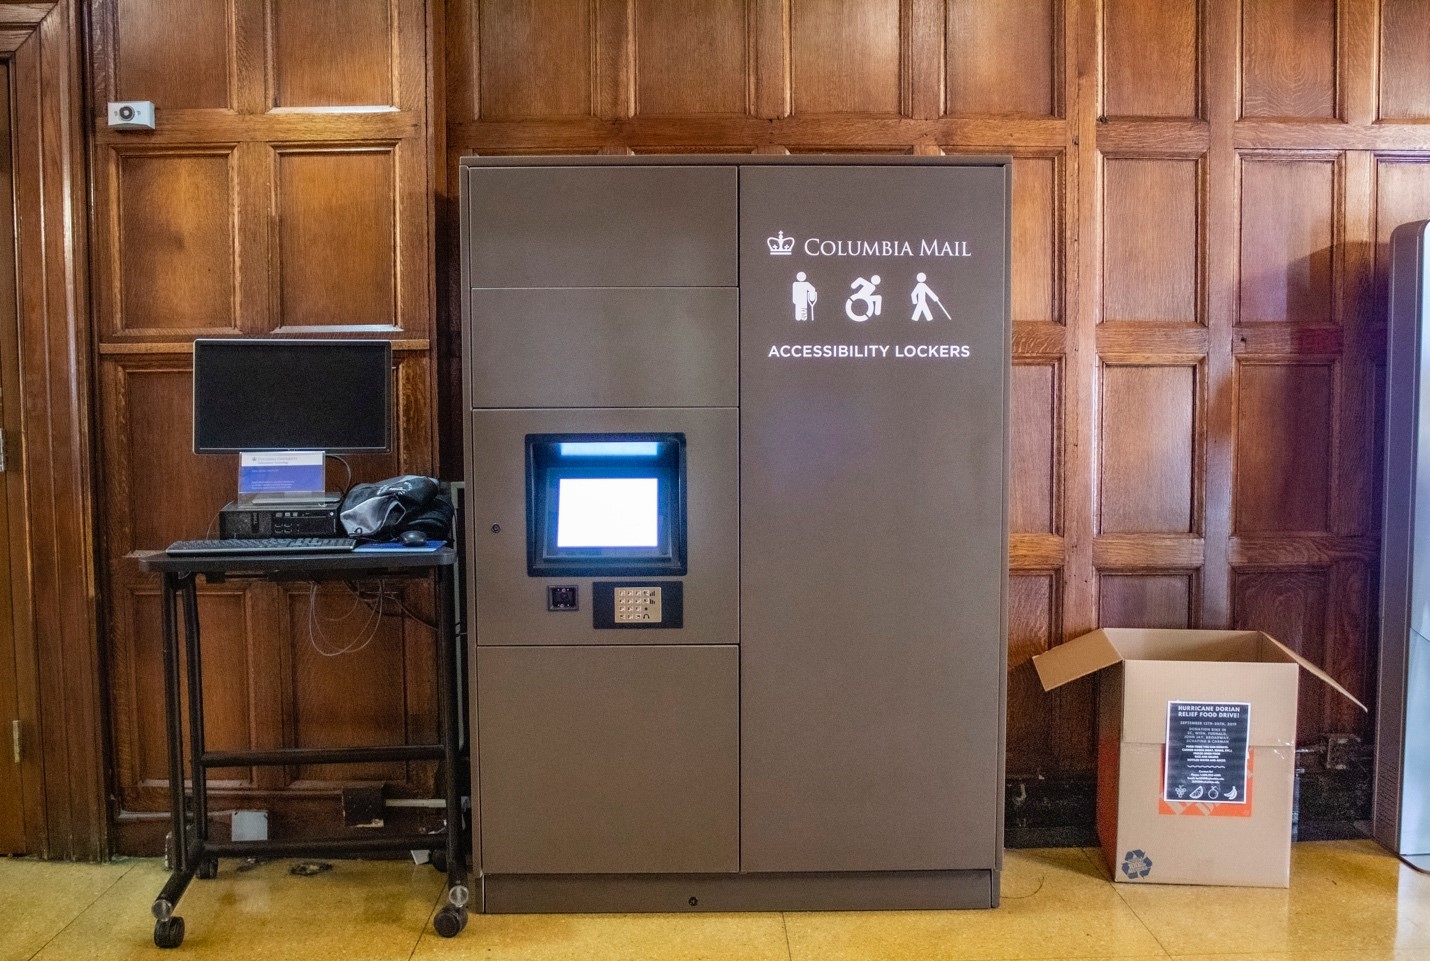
{"x":864,"y":294}
{"x":804,"y":295}
{"x":920,"y":297}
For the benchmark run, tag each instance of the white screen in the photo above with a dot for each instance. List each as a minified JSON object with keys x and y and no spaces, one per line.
{"x":607,"y":512}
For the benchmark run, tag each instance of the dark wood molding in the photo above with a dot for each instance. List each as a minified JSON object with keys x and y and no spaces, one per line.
{"x":18,"y":22}
{"x":51,"y":205}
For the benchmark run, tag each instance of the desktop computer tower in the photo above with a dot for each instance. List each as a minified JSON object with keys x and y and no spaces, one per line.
{"x":244,"y":519}
{"x":1402,"y":779}
{"x":736,"y":448}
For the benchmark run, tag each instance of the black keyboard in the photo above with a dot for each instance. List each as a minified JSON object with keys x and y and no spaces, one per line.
{"x":265,"y":545}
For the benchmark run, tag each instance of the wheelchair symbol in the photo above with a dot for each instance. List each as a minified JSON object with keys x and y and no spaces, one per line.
{"x":864,"y":294}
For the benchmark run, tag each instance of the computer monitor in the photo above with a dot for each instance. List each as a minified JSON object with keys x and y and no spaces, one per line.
{"x":275,"y":395}
{"x":602,"y":504}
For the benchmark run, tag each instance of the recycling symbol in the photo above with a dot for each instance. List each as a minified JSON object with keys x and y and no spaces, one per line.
{"x":1136,"y":865}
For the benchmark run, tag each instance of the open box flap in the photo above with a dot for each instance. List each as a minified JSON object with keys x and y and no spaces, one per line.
{"x":1182,"y":644}
{"x":1315,"y":671}
{"x":1077,"y":658}
{"x":1102,"y":648}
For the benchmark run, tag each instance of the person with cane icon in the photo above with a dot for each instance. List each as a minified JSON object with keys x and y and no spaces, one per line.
{"x":920,"y":297}
{"x":804,"y":296}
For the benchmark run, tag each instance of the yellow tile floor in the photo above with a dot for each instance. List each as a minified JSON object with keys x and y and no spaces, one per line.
{"x":1348,"y":900}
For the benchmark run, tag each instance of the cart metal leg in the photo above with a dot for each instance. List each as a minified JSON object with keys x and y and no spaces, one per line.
{"x":450,"y":921}
{"x":203,"y":865}
{"x":169,"y":927}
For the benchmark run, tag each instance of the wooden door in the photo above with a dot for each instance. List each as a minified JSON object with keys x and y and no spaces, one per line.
{"x":14,"y":620}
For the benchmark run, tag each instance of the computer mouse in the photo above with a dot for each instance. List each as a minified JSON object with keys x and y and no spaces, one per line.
{"x":412,"y":538}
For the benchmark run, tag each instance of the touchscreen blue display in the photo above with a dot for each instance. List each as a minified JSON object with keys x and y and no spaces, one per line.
{"x":608,"y":512}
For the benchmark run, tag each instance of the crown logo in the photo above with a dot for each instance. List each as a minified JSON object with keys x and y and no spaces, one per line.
{"x":781,"y":245}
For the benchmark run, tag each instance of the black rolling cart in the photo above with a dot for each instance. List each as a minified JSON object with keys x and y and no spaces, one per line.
{"x":194,"y":854}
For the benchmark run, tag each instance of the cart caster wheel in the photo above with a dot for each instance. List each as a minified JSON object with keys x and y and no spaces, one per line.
{"x":449,"y":921}
{"x":169,"y":932}
{"x":207,"y":870}
{"x":437,"y":857}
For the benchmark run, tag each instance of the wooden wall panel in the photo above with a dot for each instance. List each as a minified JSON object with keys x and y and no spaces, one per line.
{"x":1404,"y":68}
{"x":176,"y":241}
{"x":1145,"y":600}
{"x":310,"y":69}
{"x":1031,"y":618}
{"x":1290,"y":605}
{"x":1150,"y":250}
{"x":536,"y":58}
{"x":1034,"y":473}
{"x":1352,"y":601}
{"x":414,"y":422}
{"x":1283,"y":453}
{"x":692,"y":57}
{"x":1288,"y":211}
{"x":347,"y":677}
{"x":845,"y":57}
{"x":336,"y":244}
{"x":1402,"y":195}
{"x":1148,"y":421}
{"x":179,"y":62}
{"x":1288,"y":58}
{"x":1151,"y":58}
{"x":1002,"y":57}
{"x":1037,"y":239}
{"x":154,"y":408}
{"x":230,"y":720}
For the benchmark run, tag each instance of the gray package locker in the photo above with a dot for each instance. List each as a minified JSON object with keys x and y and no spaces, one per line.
{"x":1402,"y":780}
{"x":873,"y":545}
{"x":812,"y":357}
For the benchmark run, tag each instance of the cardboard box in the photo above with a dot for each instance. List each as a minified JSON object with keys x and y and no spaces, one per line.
{"x":1196,"y":751}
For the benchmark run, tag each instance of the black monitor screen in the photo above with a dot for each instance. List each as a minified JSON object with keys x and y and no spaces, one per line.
{"x":257,"y":395}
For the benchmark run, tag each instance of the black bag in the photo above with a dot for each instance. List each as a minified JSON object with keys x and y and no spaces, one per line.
{"x":381,"y":511}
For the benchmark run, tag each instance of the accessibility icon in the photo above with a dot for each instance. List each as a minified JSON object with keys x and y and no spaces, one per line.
{"x":864,"y":294}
